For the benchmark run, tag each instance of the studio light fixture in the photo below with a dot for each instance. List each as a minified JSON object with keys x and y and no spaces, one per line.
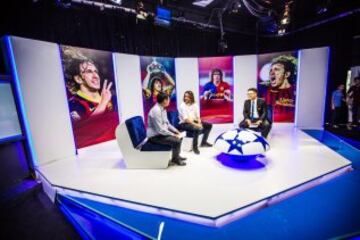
{"x":323,"y":7}
{"x":64,"y":3}
{"x":285,"y":20}
{"x":222,"y":45}
{"x":140,"y":11}
{"x":281,"y":31}
{"x":202,"y":3}
{"x":236,"y":6}
{"x":118,"y":2}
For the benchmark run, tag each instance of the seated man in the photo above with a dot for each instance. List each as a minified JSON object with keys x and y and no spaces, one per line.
{"x":190,"y":121}
{"x":255,"y":113}
{"x":160,"y":131}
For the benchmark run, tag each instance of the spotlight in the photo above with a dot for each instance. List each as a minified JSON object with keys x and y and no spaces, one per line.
{"x":140,"y":11}
{"x":64,"y":3}
{"x":117,"y":2}
{"x":323,"y":7}
{"x":236,"y":7}
{"x":285,"y":20}
{"x":281,"y":31}
{"x":222,"y":45}
{"x":321,"y":10}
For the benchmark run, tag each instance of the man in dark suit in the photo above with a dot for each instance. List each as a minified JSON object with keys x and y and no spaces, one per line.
{"x":255,"y":113}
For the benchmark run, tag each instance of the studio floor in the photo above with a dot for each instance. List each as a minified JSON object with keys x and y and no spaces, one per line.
{"x":208,"y":187}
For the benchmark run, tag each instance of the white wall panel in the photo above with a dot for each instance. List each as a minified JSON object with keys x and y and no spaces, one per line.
{"x":311,"y":89}
{"x":40,"y":82}
{"x":187,"y":78}
{"x":128,"y":83}
{"x":245,"y":72}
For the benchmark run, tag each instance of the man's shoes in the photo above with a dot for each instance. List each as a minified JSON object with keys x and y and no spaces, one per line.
{"x":206,"y":145}
{"x":181,"y":163}
{"x":182,"y":158}
{"x":178,"y":161}
{"x":196,"y":151}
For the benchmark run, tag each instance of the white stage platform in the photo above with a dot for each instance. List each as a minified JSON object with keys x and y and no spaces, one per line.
{"x":206,"y":190}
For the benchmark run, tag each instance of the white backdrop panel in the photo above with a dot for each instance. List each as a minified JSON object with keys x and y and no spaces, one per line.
{"x":187,"y":78}
{"x":245,"y":69}
{"x":311,"y":89}
{"x":129,"y":89}
{"x":41,"y":83}
{"x":42,"y":87}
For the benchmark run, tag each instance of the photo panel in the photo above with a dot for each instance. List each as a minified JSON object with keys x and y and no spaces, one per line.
{"x":91,"y":92}
{"x":157,"y":75}
{"x":216,"y":89}
{"x":277,"y":76}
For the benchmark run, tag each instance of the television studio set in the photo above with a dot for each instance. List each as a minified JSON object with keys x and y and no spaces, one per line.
{"x":180,"y":120}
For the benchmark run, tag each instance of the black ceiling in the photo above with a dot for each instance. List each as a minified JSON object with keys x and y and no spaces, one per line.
{"x":303,"y":13}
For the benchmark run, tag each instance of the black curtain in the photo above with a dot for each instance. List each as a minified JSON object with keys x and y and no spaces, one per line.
{"x":115,"y":31}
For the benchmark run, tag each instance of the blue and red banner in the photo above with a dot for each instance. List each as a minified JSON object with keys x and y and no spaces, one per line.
{"x":216,"y":88}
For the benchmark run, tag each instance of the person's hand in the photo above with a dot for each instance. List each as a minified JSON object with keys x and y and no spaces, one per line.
{"x":105,"y":94}
{"x":178,"y":135}
{"x":258,"y":122}
{"x":227,"y":95}
{"x":105,"y":99}
{"x":213,"y":96}
{"x":147,"y":93}
{"x":332,"y":107}
{"x":206,"y":94}
{"x":248,"y":122}
{"x":148,"y":68}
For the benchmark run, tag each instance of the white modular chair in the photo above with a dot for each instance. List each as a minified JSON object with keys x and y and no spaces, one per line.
{"x":136,"y":150}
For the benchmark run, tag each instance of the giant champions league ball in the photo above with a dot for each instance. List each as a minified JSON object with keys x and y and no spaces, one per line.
{"x":243,"y":142}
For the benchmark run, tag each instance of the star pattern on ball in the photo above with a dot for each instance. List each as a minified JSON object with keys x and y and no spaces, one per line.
{"x":262,"y":140}
{"x":235,"y":144}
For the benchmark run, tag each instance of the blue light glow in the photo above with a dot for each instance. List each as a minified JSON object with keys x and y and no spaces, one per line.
{"x":299,"y":53}
{"x":240,"y":162}
{"x":19,"y":96}
{"x":325,"y":87}
{"x":11,"y":139}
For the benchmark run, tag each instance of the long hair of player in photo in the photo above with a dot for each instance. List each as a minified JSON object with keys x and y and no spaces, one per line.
{"x":90,"y":88}
{"x":216,"y":89}
{"x":277,"y":74}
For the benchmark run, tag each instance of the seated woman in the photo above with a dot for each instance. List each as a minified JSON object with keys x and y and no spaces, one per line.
{"x":190,"y":121}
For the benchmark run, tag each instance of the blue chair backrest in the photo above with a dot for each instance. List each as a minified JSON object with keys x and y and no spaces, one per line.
{"x":173,"y":117}
{"x":136,"y":129}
